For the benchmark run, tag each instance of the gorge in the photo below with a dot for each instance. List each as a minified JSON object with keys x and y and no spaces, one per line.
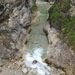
{"x":37,"y":37}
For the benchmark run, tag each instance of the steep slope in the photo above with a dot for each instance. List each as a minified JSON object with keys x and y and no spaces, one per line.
{"x":15,"y":19}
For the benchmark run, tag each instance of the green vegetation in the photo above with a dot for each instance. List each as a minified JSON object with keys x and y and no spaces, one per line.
{"x":65,"y":6}
{"x":56,"y":14}
{"x":67,"y":22}
{"x":57,"y":10}
{"x":68,"y":28}
{"x":34,"y":7}
{"x":71,"y":38}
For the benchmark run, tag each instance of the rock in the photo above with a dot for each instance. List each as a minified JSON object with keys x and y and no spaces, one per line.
{"x":34,"y":62}
{"x":15,"y":20}
{"x":62,"y":59}
{"x":35,"y":17}
{"x":59,"y":54}
{"x":1,"y":63}
{"x":0,"y":69}
{"x":73,"y":1}
{"x":51,"y":3}
{"x":24,"y":70}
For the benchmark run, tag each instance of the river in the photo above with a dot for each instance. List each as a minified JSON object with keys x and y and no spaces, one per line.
{"x":38,"y":38}
{"x":38,"y":43}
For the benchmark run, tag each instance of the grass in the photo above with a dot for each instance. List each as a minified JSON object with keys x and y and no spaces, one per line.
{"x":56,"y":15}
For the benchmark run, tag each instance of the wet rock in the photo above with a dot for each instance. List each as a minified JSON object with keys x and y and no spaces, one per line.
{"x":62,"y":59}
{"x":35,"y":17}
{"x":34,"y":62}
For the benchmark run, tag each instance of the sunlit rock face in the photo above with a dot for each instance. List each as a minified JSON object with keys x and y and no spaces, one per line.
{"x":59,"y":54}
{"x":14,"y":26}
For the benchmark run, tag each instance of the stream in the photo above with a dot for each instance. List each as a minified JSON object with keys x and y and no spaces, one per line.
{"x":38,"y":43}
{"x":38,"y":38}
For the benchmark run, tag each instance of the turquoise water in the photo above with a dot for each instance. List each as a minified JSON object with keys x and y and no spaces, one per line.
{"x":37,"y":36}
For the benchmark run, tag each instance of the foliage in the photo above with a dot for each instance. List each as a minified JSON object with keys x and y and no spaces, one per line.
{"x":34,"y":7}
{"x":65,"y":6}
{"x":56,"y":15}
{"x":68,"y":23}
{"x":69,"y":30}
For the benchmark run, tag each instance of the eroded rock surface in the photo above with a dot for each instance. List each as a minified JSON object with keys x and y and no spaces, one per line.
{"x":59,"y":54}
{"x":15,"y":19}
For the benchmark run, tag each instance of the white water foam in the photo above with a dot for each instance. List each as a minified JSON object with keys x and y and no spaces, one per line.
{"x":34,"y":61}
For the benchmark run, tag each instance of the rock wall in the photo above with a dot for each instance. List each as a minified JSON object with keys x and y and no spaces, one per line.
{"x":60,"y":55}
{"x":15,"y":19}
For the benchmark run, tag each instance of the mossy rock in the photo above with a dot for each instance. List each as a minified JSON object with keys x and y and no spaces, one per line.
{"x":71,"y":39}
{"x":34,"y":7}
{"x":57,"y":12}
{"x":69,"y":30}
{"x":56,"y":15}
{"x":65,"y":6}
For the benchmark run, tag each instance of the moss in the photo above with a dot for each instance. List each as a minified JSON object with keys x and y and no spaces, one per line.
{"x":68,"y":25}
{"x":71,"y":39}
{"x":56,"y":14}
{"x":68,"y":28}
{"x":57,"y":9}
{"x":34,"y":7}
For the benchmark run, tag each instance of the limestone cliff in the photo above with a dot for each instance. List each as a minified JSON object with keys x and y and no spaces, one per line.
{"x":15,"y":19}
